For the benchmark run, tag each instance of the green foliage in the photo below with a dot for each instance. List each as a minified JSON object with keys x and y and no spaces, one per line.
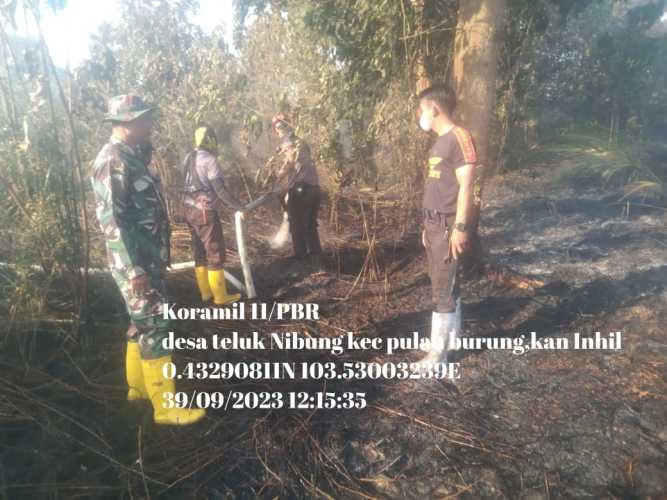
{"x":361,"y":98}
{"x":593,"y":63}
{"x":40,"y":199}
{"x":38,"y":208}
{"x":586,"y":157}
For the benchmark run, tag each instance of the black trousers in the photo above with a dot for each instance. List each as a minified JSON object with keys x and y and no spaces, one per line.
{"x":303,"y":204}
{"x":442,"y":268}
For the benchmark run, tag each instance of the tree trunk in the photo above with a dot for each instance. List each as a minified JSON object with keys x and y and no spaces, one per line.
{"x":476,"y":51}
{"x":421,"y":77}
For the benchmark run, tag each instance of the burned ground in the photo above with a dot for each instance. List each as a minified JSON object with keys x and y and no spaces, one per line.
{"x":545,"y":424}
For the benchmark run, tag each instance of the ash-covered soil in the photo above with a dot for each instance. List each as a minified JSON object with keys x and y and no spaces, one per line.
{"x":543,"y":424}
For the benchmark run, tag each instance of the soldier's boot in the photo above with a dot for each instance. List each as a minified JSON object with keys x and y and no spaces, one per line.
{"x":216,"y":279}
{"x":441,"y":325}
{"x":457,"y":328}
{"x":157,"y":385}
{"x":201,"y":274}
{"x":134,"y":373}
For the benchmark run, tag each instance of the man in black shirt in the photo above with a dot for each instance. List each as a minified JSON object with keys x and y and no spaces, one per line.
{"x":448,"y":197}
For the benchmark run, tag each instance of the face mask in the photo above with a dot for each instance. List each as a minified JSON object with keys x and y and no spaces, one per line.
{"x":426,"y":122}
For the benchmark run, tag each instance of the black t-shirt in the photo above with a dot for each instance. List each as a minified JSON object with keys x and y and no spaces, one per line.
{"x":449,"y":152}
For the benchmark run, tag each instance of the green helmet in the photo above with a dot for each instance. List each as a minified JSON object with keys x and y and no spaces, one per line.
{"x":125,"y":108}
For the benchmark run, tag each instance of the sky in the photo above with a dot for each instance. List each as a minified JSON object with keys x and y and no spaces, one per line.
{"x":68,"y":31}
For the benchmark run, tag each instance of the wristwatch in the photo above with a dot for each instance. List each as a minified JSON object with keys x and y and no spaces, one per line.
{"x":461,"y":227}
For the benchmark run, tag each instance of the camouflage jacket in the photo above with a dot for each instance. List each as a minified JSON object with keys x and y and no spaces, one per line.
{"x":131,"y":211}
{"x":297,"y":161}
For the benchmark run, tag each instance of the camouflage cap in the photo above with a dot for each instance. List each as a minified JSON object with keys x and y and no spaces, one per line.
{"x":126,"y":107}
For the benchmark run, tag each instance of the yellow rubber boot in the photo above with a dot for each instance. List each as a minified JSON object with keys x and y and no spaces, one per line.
{"x":164,"y":410}
{"x":216,"y":279}
{"x":201,"y":274}
{"x":134,"y":373}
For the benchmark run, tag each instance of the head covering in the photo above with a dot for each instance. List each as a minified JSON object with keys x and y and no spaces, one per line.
{"x":280,"y":118}
{"x":206,"y":139}
{"x":126,"y":107}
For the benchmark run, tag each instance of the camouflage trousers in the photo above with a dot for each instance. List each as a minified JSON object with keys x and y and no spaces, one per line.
{"x":147,"y":326}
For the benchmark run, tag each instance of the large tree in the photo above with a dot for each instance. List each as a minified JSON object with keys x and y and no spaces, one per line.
{"x":476,"y":49}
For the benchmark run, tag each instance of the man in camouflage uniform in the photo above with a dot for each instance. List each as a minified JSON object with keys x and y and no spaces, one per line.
{"x":133,"y":218}
{"x":300,"y":192}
